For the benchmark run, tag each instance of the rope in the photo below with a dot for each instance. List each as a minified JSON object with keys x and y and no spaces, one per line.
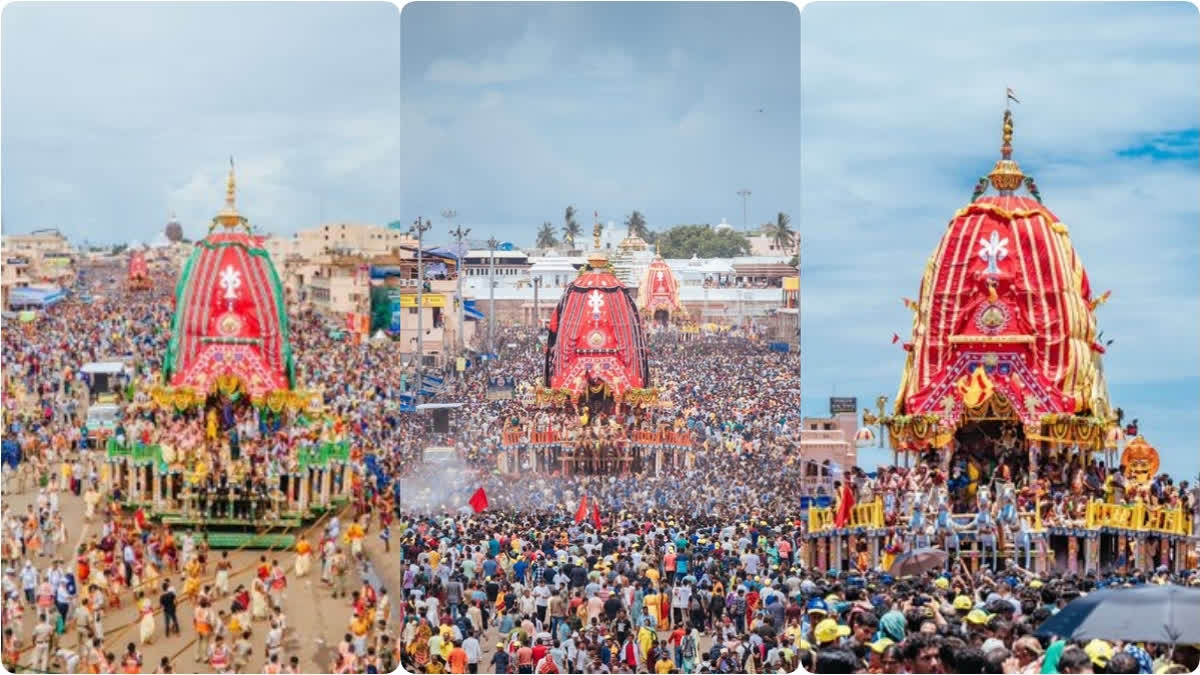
{"x":309,"y":530}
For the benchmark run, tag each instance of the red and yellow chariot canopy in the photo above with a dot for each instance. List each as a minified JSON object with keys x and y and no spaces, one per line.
{"x":1005,"y":307}
{"x":659,"y":289}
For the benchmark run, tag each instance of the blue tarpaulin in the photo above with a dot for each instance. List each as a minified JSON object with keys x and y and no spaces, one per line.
{"x":29,"y":297}
{"x":470,"y":311}
{"x":779,"y":347}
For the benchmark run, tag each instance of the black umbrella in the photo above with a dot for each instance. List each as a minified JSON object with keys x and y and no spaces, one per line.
{"x":1167,"y":614}
{"x":917,"y":562}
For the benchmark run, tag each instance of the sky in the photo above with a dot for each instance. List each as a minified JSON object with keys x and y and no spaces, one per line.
{"x":901,"y":112}
{"x":115,"y":114}
{"x":511,"y":112}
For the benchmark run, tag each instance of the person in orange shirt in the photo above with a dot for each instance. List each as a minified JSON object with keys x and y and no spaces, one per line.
{"x":303,"y":557}
{"x":458,"y":658}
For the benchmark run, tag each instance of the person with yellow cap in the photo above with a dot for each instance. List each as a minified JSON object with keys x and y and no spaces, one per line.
{"x":828,"y":631}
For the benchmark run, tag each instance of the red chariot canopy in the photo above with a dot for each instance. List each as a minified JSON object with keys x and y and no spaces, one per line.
{"x":596,"y":336}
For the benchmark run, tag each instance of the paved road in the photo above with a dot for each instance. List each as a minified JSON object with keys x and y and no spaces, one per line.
{"x":316,"y":621}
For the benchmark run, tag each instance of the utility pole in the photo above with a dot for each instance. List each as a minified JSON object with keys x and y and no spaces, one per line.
{"x":492,"y":244}
{"x":537,"y":315}
{"x":744,"y":193}
{"x":459,"y":234}
{"x":418,"y":228}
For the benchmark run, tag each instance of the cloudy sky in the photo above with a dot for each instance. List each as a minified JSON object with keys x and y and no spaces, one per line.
{"x":513,"y":111}
{"x":901,"y":108}
{"x":116,"y":113}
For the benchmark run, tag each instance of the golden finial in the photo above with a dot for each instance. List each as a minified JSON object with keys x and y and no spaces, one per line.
{"x":230,"y":187}
{"x":1006,"y":176}
{"x":229,"y":216}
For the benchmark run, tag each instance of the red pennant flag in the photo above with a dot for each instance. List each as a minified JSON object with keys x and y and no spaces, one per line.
{"x":581,"y":512}
{"x":479,"y":500}
{"x":895,"y":338}
{"x":596,"y":515}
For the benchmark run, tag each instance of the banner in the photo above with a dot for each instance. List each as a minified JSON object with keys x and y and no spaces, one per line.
{"x":427,"y":300}
{"x":842,"y":404}
{"x":501,"y":387}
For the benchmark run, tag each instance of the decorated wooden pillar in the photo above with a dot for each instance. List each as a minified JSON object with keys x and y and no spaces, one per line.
{"x":852,"y":552}
{"x":1040,"y":544}
{"x":345,"y":478}
{"x":836,"y":542}
{"x":1090,"y":563}
{"x":305,"y":489}
{"x":658,"y":460}
{"x":131,"y":479}
{"x":1072,"y":553}
{"x":1165,"y":553}
{"x":326,"y":484}
{"x":158,"y":479}
{"x":822,"y":553}
{"x":874,"y":552}
{"x":1033,"y":461}
{"x":1137,"y":557}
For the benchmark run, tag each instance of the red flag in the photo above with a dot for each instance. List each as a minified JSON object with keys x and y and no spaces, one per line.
{"x":581,"y":512}
{"x":845,"y":506}
{"x":895,"y":338}
{"x":479,"y":500}
{"x":596,"y":515}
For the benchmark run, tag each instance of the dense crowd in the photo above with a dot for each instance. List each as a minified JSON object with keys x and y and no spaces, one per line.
{"x":699,"y":569}
{"x":57,"y":599}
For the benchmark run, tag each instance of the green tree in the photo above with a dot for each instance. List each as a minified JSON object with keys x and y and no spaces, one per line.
{"x":684,"y":241}
{"x":571,"y":227}
{"x":636,"y":223}
{"x":781,"y":233}
{"x":545,"y":236}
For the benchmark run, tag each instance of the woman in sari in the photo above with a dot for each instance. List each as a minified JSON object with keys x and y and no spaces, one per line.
{"x":191,"y":583}
{"x":258,"y":599}
{"x":418,"y":649}
{"x":146,"y":625}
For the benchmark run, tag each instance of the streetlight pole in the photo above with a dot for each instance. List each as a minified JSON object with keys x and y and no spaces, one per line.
{"x":744,"y":193}
{"x":492,"y":244}
{"x":537,"y":315}
{"x":459,"y":234}
{"x":420,"y":228}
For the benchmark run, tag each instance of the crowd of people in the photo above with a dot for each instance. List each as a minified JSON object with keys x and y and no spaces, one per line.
{"x":66,"y":581}
{"x":699,"y":569}
{"x":695,"y":565}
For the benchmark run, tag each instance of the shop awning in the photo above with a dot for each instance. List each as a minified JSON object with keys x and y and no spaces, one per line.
{"x":25,"y":297}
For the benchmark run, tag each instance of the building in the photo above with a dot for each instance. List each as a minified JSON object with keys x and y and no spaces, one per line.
{"x":510,"y":265}
{"x":41,"y":259}
{"x":831,"y":439}
{"x":349,"y":289}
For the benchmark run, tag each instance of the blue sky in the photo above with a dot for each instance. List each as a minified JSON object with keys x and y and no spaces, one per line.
{"x":901,"y":108}
{"x":513,"y":111}
{"x":116,"y":113}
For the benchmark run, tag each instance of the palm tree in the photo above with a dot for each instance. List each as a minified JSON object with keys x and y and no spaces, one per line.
{"x":636,"y":223}
{"x":781,"y":233}
{"x":571,"y":227}
{"x":545,"y":236}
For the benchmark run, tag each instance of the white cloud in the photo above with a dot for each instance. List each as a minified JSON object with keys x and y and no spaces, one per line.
{"x":526,"y":58}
